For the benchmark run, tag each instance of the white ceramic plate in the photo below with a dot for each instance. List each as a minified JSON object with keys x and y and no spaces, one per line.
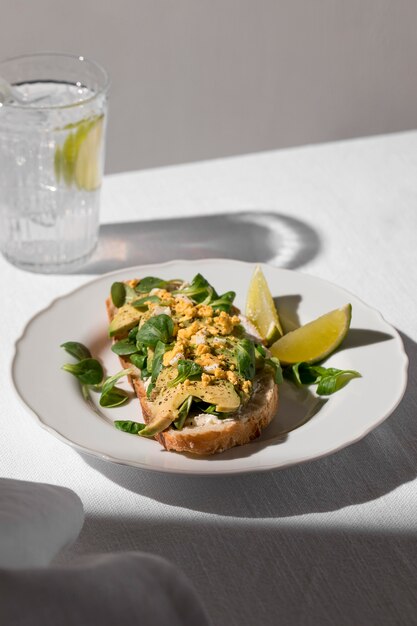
{"x":305,"y":427}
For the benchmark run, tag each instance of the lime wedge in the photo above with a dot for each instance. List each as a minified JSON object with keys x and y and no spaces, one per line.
{"x":67,"y":157}
{"x":87,"y":171}
{"x":273,"y":334}
{"x":260,"y":308}
{"x":79,"y":159}
{"x":57,"y":163}
{"x":316,"y":340}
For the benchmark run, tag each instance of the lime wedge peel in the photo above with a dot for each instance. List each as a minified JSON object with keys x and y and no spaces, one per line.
{"x":87,"y":172}
{"x":260,"y":308}
{"x":78,"y":160}
{"x":314,"y":341}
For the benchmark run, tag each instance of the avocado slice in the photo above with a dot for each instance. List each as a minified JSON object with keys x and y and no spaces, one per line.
{"x":126,"y":318}
{"x":167,"y":400}
{"x":221,"y":393}
{"x":156,"y":425}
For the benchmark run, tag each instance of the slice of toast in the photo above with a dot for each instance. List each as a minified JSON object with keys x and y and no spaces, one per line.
{"x":206,"y":434}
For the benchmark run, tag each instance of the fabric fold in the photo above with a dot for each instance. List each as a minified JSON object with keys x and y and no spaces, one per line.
{"x":36,"y":521}
{"x":125,"y":588}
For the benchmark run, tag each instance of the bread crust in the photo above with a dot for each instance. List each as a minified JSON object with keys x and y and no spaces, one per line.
{"x":213,"y":438}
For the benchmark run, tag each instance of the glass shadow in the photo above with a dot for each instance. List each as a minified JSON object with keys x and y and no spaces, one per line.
{"x":252,"y":236}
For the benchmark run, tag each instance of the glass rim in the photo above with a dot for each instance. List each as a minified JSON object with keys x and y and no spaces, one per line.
{"x":74,"y":57}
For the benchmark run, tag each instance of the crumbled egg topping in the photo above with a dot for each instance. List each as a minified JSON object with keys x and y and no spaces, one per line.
{"x":172,"y":356}
{"x":202,"y":334}
{"x":203,"y":338}
{"x":202,"y":348}
{"x":164,"y":295}
{"x":187,"y":332}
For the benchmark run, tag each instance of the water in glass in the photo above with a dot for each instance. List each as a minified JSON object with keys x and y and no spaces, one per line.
{"x":51,"y":162}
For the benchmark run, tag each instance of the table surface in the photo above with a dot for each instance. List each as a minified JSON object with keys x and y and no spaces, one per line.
{"x":329,"y":542}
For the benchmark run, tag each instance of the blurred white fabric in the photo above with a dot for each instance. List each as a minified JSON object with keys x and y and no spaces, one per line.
{"x":129,"y":588}
{"x":36,"y":522}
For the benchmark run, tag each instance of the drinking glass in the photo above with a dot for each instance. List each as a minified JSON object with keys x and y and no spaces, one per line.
{"x":52,"y":137}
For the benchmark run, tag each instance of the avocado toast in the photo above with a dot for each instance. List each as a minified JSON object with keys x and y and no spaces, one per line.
{"x":204,"y":379}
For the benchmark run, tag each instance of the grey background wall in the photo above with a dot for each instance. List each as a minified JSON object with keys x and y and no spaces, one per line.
{"x":197,"y":79}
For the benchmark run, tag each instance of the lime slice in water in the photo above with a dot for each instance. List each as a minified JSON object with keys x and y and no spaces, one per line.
{"x":67,"y":156}
{"x":78,"y":161}
{"x":58,"y":163}
{"x":316,"y":340}
{"x":88,"y":163}
{"x":260,"y":308}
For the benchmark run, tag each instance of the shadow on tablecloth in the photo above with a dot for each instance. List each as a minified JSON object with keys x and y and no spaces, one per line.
{"x":253,"y":236}
{"x":365,"y":471}
{"x":282,"y":574}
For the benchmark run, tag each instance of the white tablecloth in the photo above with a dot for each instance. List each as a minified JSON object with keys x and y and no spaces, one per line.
{"x":329,"y":542}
